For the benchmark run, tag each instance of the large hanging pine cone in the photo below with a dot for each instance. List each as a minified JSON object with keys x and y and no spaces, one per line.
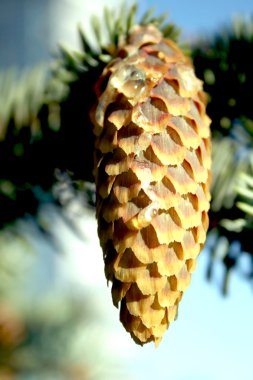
{"x":152,"y":174}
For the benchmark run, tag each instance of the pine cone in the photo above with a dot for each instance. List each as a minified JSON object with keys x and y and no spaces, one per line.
{"x":152,"y":175}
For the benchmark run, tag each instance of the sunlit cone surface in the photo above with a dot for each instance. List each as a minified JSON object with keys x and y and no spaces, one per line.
{"x":152,"y":178}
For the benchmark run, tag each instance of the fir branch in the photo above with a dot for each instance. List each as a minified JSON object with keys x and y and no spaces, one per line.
{"x":222,"y":62}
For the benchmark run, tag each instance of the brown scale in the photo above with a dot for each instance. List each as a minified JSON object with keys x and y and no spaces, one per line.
{"x":152,"y":176}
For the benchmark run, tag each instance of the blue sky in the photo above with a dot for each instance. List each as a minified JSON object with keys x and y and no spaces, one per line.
{"x":213,"y":337}
{"x":199,"y":16}
{"x":33,"y":33}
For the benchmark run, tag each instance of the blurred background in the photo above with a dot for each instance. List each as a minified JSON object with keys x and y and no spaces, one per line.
{"x":57,"y":320}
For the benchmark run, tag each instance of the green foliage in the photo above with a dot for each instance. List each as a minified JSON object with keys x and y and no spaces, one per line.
{"x":224,"y":63}
{"x":245,"y":192}
{"x":46,"y":156}
{"x":45,"y":127}
{"x":44,"y":115}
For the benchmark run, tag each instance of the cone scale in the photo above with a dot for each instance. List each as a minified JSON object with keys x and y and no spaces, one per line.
{"x":152,"y":171}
